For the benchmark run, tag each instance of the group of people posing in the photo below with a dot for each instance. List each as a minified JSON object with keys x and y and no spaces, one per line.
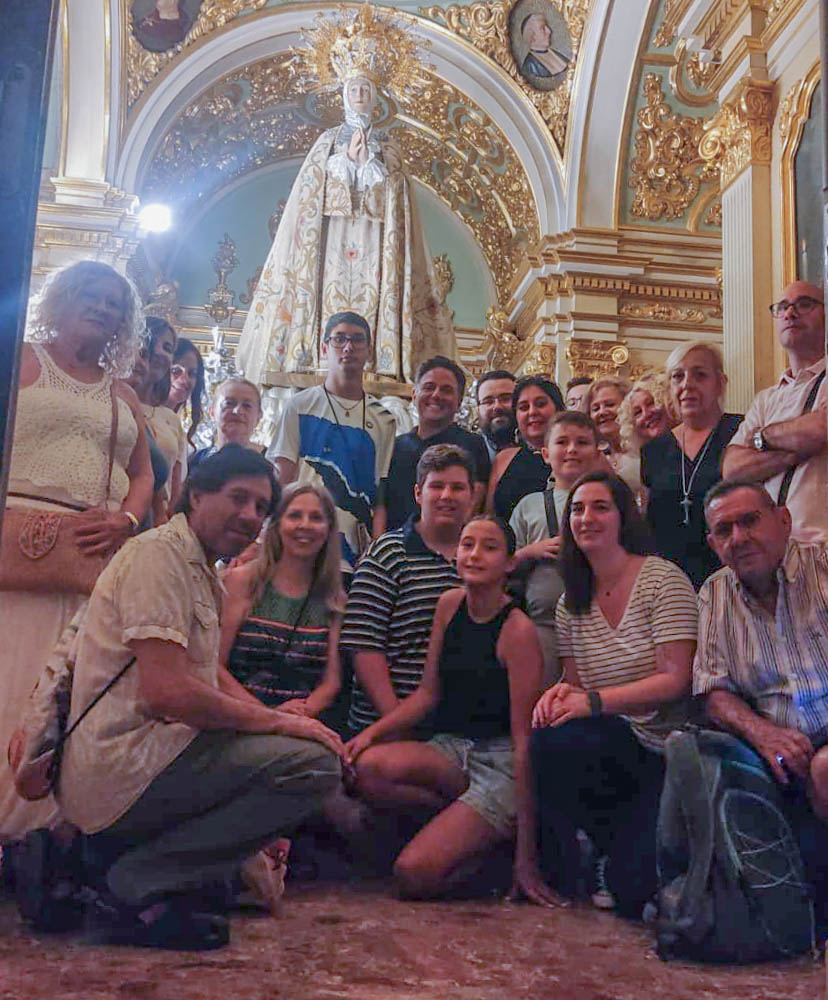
{"x":489,"y":635}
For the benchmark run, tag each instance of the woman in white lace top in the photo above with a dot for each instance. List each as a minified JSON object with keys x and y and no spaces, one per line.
{"x":83,"y":333}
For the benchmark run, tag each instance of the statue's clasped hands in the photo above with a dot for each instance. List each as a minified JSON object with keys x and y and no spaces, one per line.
{"x":358,"y":147}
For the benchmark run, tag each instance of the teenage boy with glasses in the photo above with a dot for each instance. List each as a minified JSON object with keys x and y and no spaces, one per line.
{"x":337,"y":436}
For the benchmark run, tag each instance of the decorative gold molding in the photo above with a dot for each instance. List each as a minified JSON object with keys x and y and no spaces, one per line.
{"x":668,"y":172}
{"x":444,"y":275}
{"x":674,"y":11}
{"x":499,"y":335}
{"x":260,"y":115}
{"x":662,"y":312}
{"x":739,"y":134}
{"x":143,"y":65}
{"x":486,"y":26}
{"x":596,"y":358}
{"x":793,"y":113}
{"x":698,"y":74}
{"x":540,"y":361}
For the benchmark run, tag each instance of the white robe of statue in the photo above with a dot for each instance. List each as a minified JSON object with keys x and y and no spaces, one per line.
{"x":350,"y":238}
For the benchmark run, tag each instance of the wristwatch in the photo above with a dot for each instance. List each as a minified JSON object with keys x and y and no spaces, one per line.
{"x":759,"y":441}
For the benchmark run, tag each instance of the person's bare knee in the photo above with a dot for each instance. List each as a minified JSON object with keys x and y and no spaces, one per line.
{"x":819,"y":782}
{"x":416,"y":875}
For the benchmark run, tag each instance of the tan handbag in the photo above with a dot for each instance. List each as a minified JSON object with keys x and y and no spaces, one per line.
{"x":39,"y":551}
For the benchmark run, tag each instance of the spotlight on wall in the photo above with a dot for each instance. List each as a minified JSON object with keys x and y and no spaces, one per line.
{"x":155,"y":218}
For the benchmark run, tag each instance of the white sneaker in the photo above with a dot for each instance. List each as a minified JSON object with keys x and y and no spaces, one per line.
{"x":602,"y":898}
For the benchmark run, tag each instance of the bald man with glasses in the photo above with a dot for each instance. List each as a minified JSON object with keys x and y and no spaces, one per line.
{"x":782,"y":441}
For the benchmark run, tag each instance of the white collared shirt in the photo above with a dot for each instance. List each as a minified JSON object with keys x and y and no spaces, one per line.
{"x":776,"y":662}
{"x":808,"y":496}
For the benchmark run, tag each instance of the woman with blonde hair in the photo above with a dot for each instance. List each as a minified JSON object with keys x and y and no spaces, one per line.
{"x":602,"y":403}
{"x":645,"y":413}
{"x":282,"y":610}
{"x":681,"y":465}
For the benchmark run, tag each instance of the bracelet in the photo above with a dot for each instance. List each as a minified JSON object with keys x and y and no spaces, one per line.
{"x":133,"y":520}
{"x":594,"y":699}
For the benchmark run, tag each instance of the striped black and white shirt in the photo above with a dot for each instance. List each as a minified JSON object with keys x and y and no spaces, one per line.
{"x":390,"y":610}
{"x":778,"y":663}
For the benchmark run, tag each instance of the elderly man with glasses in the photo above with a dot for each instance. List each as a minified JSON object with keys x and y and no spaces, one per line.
{"x":782,"y":441}
{"x":337,"y":436}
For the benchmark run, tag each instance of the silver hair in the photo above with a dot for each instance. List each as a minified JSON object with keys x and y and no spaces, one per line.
{"x":48,"y":312}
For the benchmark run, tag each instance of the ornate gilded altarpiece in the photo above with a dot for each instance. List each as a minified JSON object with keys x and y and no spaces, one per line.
{"x":261,"y":115}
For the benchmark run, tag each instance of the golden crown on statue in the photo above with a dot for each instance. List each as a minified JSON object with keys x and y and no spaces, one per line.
{"x":360,"y":43}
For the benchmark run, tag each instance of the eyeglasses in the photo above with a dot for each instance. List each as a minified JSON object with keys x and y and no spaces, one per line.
{"x":505,"y":399}
{"x":354,"y":339}
{"x":804,"y":304}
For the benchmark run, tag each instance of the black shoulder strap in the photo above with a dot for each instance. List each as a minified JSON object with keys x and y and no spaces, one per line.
{"x":111,"y":684}
{"x":785,"y":486}
{"x":551,"y":513}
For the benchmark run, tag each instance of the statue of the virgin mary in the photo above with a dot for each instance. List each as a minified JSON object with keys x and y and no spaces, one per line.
{"x":350,"y":237}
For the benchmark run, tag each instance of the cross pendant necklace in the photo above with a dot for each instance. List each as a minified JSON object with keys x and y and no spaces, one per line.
{"x":686,"y":503}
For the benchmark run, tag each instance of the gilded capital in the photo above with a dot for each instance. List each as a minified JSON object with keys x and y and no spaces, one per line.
{"x":739,"y":134}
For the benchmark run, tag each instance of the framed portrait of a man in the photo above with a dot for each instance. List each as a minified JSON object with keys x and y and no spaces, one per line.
{"x":160,"y":24}
{"x":540,"y":43}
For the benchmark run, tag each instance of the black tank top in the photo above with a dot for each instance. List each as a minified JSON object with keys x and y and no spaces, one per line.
{"x":474,"y":684}
{"x":526,"y":473}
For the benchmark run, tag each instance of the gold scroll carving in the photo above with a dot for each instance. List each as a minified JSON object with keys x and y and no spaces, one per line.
{"x":697,"y":74}
{"x":486,"y":26}
{"x":739,"y":134}
{"x":674,"y":10}
{"x":595,"y":358}
{"x":663,"y":312}
{"x":541,"y":361}
{"x":668,"y":171}
{"x":500,"y":334}
{"x":444,"y":275}
{"x":143,"y":66}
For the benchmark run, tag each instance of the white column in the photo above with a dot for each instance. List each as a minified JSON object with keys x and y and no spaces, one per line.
{"x":747,"y":283}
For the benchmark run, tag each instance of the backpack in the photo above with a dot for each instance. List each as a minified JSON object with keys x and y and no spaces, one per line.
{"x":730,"y":876}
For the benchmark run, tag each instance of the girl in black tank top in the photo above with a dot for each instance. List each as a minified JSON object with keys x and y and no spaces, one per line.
{"x":481,"y":677}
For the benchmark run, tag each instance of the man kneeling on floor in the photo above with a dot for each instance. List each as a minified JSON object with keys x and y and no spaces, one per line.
{"x":762,"y":657}
{"x":178,"y":773}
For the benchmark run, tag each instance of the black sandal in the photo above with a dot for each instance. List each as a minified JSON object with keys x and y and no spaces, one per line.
{"x":178,"y":927}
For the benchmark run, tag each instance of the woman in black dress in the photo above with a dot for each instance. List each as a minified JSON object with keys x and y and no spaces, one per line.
{"x":680,"y":466}
{"x":519,"y":471}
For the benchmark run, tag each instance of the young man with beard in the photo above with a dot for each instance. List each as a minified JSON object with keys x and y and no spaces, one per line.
{"x":494,"y":410}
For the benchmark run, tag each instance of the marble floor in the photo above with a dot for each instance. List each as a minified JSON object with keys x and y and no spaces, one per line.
{"x":358,"y":943}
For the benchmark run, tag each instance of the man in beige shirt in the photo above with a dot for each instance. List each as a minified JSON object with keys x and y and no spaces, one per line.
{"x":178,"y":773}
{"x":776,"y":435}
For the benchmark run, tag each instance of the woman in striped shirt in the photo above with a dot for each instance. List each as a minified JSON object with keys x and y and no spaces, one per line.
{"x":282,"y":612}
{"x":626,"y":626}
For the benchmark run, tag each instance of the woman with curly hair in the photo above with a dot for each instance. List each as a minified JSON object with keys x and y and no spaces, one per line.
{"x":79,"y":445}
{"x":645,"y":413}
